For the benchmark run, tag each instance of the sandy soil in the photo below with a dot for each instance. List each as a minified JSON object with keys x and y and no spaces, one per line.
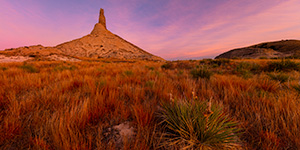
{"x":61,"y":58}
{"x":4,"y":59}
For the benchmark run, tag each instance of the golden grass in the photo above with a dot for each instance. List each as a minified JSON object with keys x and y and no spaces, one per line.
{"x":70,"y":105}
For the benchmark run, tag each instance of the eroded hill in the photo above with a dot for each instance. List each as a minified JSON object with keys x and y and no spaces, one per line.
{"x":284,"y":48}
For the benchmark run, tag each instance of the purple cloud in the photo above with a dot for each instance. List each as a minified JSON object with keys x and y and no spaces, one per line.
{"x":170,"y":28}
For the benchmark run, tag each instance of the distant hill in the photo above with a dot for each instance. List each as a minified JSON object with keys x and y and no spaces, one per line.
{"x":284,"y":48}
{"x":100,"y":43}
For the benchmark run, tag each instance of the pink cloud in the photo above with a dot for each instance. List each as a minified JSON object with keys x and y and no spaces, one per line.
{"x":175,"y":29}
{"x":273,"y":23}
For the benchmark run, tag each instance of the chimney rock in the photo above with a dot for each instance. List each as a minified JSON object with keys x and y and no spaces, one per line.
{"x":102,"y":18}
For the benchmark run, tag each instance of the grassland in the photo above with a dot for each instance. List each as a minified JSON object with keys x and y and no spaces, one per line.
{"x":74,"y":105}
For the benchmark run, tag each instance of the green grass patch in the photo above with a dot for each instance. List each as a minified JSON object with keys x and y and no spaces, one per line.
{"x":201,"y":73}
{"x":281,"y":77}
{"x":283,"y":65}
{"x":167,"y":65}
{"x":63,"y":67}
{"x":29,"y":68}
{"x":128,"y":73}
{"x":3,"y":68}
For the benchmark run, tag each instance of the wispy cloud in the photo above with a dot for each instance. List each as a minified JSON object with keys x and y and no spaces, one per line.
{"x":170,"y":28}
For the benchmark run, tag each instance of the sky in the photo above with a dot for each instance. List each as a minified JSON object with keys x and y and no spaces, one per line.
{"x":171,"y":29}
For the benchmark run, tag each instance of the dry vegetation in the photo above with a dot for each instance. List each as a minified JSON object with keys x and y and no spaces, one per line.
{"x":74,"y":105}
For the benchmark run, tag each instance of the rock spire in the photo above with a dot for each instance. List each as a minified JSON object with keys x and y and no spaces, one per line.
{"x":102,"y":18}
{"x":101,"y":43}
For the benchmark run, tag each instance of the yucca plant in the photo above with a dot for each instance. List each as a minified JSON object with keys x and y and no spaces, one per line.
{"x":198,"y":125}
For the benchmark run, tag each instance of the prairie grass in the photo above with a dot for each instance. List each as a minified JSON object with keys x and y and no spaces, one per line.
{"x":74,"y":105}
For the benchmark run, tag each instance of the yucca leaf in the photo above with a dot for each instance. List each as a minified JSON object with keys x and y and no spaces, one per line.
{"x":189,"y":127}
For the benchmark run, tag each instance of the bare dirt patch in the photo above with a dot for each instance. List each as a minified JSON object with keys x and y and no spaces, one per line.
{"x":13,"y":58}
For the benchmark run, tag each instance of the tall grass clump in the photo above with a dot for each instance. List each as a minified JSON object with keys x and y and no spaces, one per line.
{"x":198,"y":125}
{"x":201,"y":73}
{"x":167,"y":65}
{"x":219,"y":62}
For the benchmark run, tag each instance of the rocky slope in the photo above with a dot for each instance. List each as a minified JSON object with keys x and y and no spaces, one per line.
{"x":100,"y":43}
{"x":279,"y":49}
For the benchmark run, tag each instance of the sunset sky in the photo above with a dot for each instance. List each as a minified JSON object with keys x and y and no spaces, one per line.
{"x":172,"y":29}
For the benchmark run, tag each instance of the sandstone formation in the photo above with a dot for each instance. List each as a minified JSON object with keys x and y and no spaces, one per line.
{"x":100,"y":43}
{"x":284,"y":48}
{"x":102,"y":19}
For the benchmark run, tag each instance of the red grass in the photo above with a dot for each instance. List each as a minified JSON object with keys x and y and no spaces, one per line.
{"x":72,"y":108}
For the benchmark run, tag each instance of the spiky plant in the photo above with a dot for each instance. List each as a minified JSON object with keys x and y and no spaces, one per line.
{"x":198,"y":125}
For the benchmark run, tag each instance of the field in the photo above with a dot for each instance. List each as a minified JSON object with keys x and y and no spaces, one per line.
{"x":78,"y":105}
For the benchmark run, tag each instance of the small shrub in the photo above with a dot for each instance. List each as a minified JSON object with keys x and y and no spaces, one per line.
{"x":245,"y":74}
{"x":205,"y":61}
{"x":281,"y":77}
{"x":253,"y":67}
{"x":297,"y":88}
{"x":180,"y":72}
{"x":283,"y":65}
{"x":292,"y":57}
{"x":62,"y":67}
{"x":29,"y":68}
{"x":32,"y":55}
{"x":150,"y":68}
{"x":215,"y":65}
{"x":198,"y":126}
{"x":167,"y":65}
{"x":128,"y":73}
{"x":246,"y":69}
{"x":263,"y":57}
{"x":3,"y":68}
{"x":201,"y":73}
{"x":220,"y":62}
{"x":100,"y":83}
{"x":149,"y":84}
{"x":274,"y":58}
{"x":217,"y":62}
{"x":184,"y":65}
